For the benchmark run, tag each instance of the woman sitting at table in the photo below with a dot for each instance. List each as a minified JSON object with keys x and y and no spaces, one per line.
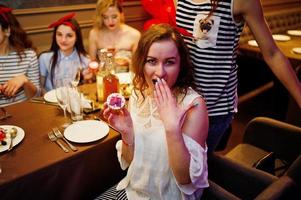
{"x":111,"y":32}
{"x":67,"y":54}
{"x":19,"y":71}
{"x":164,"y":132}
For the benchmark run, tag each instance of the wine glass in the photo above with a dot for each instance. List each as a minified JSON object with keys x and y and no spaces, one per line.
{"x":61,"y":92}
{"x":77,"y":73}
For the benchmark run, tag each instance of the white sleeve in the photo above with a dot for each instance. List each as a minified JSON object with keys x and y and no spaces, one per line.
{"x":123,"y":164}
{"x":198,"y":169}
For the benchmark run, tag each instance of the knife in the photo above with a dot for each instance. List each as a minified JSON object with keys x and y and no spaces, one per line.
{"x":42,"y":101}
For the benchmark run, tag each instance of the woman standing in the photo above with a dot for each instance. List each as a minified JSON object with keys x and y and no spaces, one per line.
{"x":216,"y":26}
{"x":19,"y":72}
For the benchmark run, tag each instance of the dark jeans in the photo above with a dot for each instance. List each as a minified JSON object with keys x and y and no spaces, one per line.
{"x":217,"y":127}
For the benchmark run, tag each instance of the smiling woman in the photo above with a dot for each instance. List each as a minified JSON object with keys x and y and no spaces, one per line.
{"x":66,"y":55}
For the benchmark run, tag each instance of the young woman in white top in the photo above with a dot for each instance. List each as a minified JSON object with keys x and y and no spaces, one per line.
{"x":19,"y":72}
{"x":110,"y":31}
{"x":165,"y":127}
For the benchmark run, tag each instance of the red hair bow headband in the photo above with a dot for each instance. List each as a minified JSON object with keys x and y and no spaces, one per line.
{"x":4,"y":10}
{"x":163,"y":11}
{"x":64,"y":20}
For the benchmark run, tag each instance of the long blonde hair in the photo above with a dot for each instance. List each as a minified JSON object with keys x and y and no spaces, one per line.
{"x":102,"y":6}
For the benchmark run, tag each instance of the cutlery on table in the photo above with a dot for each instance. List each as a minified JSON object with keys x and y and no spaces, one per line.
{"x":5,"y":114}
{"x":54,"y":139}
{"x":59,"y":135}
{"x":13,"y":133}
{"x":41,"y":100}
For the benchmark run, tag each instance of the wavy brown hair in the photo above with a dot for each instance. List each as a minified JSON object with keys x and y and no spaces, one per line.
{"x":156,"y":33}
{"x":18,"y":39}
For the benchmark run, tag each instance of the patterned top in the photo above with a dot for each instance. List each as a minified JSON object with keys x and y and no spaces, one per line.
{"x":11,"y":66}
{"x":213,"y":50}
{"x":66,"y":66}
{"x":149,"y":176}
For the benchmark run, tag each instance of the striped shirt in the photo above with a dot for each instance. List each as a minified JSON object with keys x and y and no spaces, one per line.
{"x":213,"y":51}
{"x":11,"y":66}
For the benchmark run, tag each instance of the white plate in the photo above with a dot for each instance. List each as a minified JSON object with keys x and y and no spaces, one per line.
{"x":281,"y":38}
{"x":252,"y":43}
{"x":86,"y":131}
{"x":294,"y":32}
{"x":124,"y":77}
{"x":17,"y":139}
{"x":50,"y":96}
{"x":297,"y":50}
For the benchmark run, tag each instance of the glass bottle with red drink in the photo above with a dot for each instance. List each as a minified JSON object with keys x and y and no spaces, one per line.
{"x":110,"y":80}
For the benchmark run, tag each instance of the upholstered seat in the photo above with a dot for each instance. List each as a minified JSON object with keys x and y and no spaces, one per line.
{"x":230,"y":180}
{"x":268,"y":139}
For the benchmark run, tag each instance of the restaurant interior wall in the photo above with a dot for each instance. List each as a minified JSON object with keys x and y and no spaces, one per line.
{"x":35,"y":21}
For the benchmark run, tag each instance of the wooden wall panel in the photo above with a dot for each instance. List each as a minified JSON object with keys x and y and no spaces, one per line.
{"x":35,"y":21}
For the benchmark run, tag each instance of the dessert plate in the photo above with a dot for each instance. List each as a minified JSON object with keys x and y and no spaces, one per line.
{"x":252,"y":43}
{"x":281,"y":38}
{"x":294,"y":32}
{"x":86,"y":131}
{"x":17,"y":139}
{"x":297,"y":50}
{"x":50,"y":96}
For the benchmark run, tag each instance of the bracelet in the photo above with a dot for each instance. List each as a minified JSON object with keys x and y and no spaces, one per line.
{"x":127,"y":144}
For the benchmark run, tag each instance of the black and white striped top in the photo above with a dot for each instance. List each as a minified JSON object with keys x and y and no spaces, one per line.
{"x":11,"y":66}
{"x":213,"y":50}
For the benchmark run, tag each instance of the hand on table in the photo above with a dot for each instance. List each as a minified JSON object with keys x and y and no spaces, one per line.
{"x":11,"y":87}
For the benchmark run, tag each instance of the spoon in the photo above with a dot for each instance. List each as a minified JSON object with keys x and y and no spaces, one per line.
{"x":13,"y":133}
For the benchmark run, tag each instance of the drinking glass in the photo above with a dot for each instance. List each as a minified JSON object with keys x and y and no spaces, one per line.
{"x":61,"y":92}
{"x":75,"y":104}
{"x":77,"y":75}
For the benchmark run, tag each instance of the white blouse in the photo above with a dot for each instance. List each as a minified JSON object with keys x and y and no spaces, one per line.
{"x":149,"y":175}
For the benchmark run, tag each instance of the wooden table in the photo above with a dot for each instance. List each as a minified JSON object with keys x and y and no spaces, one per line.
{"x":286,"y":47}
{"x":38,"y":169}
{"x":284,"y":103}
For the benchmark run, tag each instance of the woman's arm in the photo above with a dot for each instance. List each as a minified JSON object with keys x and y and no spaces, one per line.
{"x":252,"y":13}
{"x":122,"y":121}
{"x":192,"y":121}
{"x":93,"y":44}
{"x":29,"y":81}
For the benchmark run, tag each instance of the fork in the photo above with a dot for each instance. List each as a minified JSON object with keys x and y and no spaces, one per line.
{"x":59,"y":135}
{"x":5,"y":114}
{"x":54,"y":139}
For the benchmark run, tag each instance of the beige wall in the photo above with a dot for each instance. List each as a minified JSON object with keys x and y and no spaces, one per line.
{"x":36,"y":20}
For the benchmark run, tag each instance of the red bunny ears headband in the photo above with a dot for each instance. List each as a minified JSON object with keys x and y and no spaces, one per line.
{"x":64,"y":20}
{"x":163,"y":11}
{"x":3,"y":11}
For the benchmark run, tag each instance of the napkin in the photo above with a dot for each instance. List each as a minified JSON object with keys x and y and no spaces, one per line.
{"x":85,"y":103}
